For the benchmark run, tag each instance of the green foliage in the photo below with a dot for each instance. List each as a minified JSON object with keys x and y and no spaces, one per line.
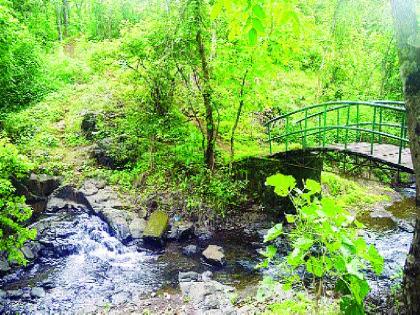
{"x":13,"y":211}
{"x":325,"y":244}
{"x":19,"y":62}
{"x":352,"y":195}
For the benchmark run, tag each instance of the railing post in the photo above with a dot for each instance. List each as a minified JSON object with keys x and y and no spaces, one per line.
{"x":269,"y":137}
{"x":287,"y":133}
{"x":338,"y":124}
{"x":325,"y":126}
{"x":306,"y":128}
{"x":319,"y":129}
{"x":357,"y":123}
{"x":402,"y":142}
{"x":372,"y":137}
{"x":380,"y":124}
{"x":347,"y":127}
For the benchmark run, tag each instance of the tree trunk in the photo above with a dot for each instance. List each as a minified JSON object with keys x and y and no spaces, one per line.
{"x":238,"y":117}
{"x":209,"y":156}
{"x":66,"y":10}
{"x":59,"y":23}
{"x":404,"y":13}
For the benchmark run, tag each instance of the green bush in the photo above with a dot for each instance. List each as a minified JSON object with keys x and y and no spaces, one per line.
{"x":13,"y":211}
{"x":325,"y":245}
{"x":19,"y":62}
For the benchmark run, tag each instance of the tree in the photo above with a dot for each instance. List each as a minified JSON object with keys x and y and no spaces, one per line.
{"x":405,"y":20}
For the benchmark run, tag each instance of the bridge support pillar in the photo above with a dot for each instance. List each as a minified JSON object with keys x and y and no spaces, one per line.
{"x":256,"y":170}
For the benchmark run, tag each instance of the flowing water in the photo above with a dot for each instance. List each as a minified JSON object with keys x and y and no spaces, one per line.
{"x":82,"y":268}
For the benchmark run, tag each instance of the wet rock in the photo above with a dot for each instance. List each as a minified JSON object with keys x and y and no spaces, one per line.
{"x":137,"y":227}
{"x":37,"y":292}
{"x":89,"y":188}
{"x":181,"y":230}
{"x":207,"y":275}
{"x":27,"y":252}
{"x":43,"y":185}
{"x":120,"y":298}
{"x":210,"y":297}
{"x":189,"y":276}
{"x":117,"y":220}
{"x":3,"y":294}
{"x":67,"y":197}
{"x":47,"y":284}
{"x":156,"y":226}
{"x":4,"y":265}
{"x":14,"y":294}
{"x":190,"y":250}
{"x":203,"y":234}
{"x":214,"y":255}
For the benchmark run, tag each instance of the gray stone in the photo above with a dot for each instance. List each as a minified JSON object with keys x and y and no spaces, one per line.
{"x":67,"y":197}
{"x":3,"y":294}
{"x":37,"y":292}
{"x":14,"y":294}
{"x":190,"y":250}
{"x":117,"y":221}
{"x":181,"y":230}
{"x":207,"y":275}
{"x":42,"y":185}
{"x":4,"y":265}
{"x":210,"y":297}
{"x":120,"y":298}
{"x":27,"y":252}
{"x":137,"y":227}
{"x":89,"y":188}
{"x":189,"y":276}
{"x":214,"y":255}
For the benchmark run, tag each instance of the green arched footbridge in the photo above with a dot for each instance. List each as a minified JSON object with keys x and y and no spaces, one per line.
{"x":374,"y":130}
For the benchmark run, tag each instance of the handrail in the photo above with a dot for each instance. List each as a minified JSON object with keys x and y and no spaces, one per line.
{"x":329,"y":128}
{"x":345,"y":103}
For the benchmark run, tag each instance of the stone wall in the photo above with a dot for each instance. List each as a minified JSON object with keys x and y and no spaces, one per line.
{"x":256,"y":169}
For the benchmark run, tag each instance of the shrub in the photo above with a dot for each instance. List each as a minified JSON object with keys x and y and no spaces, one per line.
{"x":325,"y":245}
{"x":19,"y":62}
{"x":13,"y":211}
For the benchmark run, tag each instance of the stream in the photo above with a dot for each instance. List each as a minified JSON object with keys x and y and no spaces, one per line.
{"x":82,"y":268}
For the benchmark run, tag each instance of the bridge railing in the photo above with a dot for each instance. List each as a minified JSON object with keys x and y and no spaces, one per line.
{"x":341,"y":122}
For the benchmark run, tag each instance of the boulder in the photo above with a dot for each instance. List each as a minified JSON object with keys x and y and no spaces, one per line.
{"x":156,"y":226}
{"x":117,"y":221}
{"x":208,"y":297}
{"x":137,"y":227}
{"x":37,"y":292}
{"x":189,"y":276}
{"x":4,"y":265}
{"x":67,"y":197}
{"x":190,"y":250}
{"x":43,"y":185}
{"x":27,"y":252}
{"x":181,"y":230}
{"x":214,"y":255}
{"x":14,"y":294}
{"x":203,"y":234}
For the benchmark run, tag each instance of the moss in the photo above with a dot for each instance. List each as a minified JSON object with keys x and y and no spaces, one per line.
{"x":157,"y":224}
{"x":351,"y":194}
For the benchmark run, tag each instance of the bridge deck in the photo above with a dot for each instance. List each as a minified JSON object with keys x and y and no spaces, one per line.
{"x":384,"y":153}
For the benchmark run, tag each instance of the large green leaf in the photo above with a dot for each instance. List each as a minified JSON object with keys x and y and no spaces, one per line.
{"x":282,"y":184}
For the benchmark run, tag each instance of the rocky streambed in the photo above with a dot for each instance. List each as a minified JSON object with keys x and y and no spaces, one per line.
{"x":92,"y":256}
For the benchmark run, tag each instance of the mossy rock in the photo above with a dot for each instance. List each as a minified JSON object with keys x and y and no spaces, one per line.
{"x":157,"y":225}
